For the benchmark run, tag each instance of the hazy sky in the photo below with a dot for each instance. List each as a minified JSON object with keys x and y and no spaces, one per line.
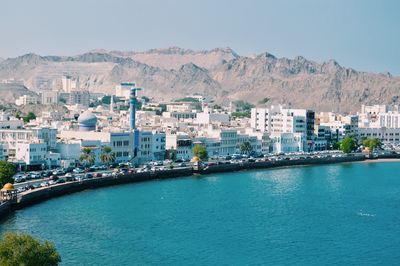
{"x":362,"y":34}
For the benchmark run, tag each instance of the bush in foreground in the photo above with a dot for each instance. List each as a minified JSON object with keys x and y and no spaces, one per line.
{"x":23,"y":249}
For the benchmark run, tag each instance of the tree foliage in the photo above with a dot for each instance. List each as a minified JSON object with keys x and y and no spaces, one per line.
{"x":23,"y":249}
{"x":246,"y":147}
{"x":348,"y":144}
{"x":371,"y":143}
{"x":107,"y":156}
{"x":30,"y":116}
{"x":170,"y":154}
{"x":242,"y":106}
{"x":87,"y":156}
{"x":7,"y":170}
{"x":264,"y":100}
{"x":187,"y":99}
{"x":200,"y":151}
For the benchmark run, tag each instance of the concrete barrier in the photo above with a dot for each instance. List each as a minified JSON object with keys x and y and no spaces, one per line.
{"x":220,"y":168}
{"x":41,"y":194}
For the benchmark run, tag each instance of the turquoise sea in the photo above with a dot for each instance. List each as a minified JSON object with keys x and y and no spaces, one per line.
{"x":344,"y":214}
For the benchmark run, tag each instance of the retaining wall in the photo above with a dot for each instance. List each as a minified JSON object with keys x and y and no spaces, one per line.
{"x":5,"y":209}
{"x":271,"y":164}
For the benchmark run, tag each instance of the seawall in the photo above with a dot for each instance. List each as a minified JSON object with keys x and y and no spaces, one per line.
{"x":5,"y":209}
{"x":41,"y":194}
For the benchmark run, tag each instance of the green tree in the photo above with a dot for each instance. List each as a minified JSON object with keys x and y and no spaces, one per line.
{"x":107,"y":156}
{"x":30,"y":116}
{"x":242,"y":106}
{"x":264,"y":100}
{"x":200,"y":151}
{"x":246,"y":147}
{"x":348,"y":144}
{"x":87,"y":157}
{"x":22,"y":249}
{"x":170,"y":154}
{"x":335,"y":145}
{"x":7,"y":170}
{"x":371,"y":143}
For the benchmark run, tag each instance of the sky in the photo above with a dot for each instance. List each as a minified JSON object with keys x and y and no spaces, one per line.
{"x":362,"y":34}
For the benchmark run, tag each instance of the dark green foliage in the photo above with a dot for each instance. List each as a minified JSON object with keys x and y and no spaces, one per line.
{"x":22,"y":249}
{"x":246,"y":147}
{"x":200,"y":151}
{"x":7,"y":171}
{"x":30,"y":116}
{"x":187,"y":99}
{"x":348,"y":145}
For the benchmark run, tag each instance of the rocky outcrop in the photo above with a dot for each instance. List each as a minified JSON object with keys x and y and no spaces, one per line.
{"x":171,"y":73}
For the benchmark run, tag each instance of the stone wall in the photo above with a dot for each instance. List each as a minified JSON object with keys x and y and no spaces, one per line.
{"x":5,"y":209}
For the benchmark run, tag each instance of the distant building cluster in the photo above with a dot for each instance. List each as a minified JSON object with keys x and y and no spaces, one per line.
{"x":139,"y":130}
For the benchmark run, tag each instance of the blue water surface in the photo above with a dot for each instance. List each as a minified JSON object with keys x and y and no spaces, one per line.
{"x":344,"y":214}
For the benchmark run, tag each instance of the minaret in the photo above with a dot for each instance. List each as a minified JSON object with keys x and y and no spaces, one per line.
{"x":132,"y":121}
{"x":112,"y":104}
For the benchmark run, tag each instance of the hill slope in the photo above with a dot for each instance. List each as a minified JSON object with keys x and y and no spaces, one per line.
{"x":220,"y":73}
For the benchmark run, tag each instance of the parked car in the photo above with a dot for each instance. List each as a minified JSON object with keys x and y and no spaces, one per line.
{"x":69,"y":177}
{"x":88,"y":175}
{"x":60,"y":181}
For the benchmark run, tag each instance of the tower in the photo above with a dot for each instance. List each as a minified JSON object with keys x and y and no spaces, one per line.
{"x":112,"y":104}
{"x":132,"y":121}
{"x":132,"y":107}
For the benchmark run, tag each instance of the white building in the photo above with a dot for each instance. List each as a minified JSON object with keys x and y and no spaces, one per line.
{"x":25,"y":100}
{"x":69,"y":84}
{"x":10,"y":122}
{"x":208,"y":117}
{"x":49,"y":97}
{"x":121,"y":143}
{"x":31,"y":154}
{"x":181,"y":144}
{"x":277,"y":119}
{"x":382,"y":133}
{"x":287,"y":142}
{"x":152,"y":146}
{"x":123,"y":90}
{"x":11,"y":137}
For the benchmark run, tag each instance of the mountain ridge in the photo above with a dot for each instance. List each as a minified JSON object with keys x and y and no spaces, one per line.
{"x":220,"y":73}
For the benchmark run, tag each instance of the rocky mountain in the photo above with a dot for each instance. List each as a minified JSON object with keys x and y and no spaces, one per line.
{"x":171,"y":73}
{"x":10,"y":92}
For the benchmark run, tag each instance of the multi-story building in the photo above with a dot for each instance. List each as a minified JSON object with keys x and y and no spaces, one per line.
{"x":48,"y":97}
{"x":152,"y":146}
{"x":69,"y":84}
{"x":181,"y":144}
{"x":277,"y":119}
{"x":123,"y":90}
{"x":31,"y":154}
{"x":26,"y":99}
{"x":288,"y":142}
{"x":11,"y":137}
{"x":79,"y":97}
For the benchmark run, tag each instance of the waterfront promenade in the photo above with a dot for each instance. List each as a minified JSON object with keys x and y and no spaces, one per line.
{"x":29,"y":197}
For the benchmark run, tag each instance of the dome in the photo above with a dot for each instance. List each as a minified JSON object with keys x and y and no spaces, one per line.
{"x":87,"y":121}
{"x":8,"y":187}
{"x":195,"y":159}
{"x":87,"y":118}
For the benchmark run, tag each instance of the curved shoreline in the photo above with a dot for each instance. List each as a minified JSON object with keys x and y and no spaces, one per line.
{"x":41,"y":194}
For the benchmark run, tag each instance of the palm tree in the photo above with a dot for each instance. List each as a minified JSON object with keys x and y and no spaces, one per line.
{"x":86,"y":156}
{"x":107,"y":155}
{"x":246,"y":147}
